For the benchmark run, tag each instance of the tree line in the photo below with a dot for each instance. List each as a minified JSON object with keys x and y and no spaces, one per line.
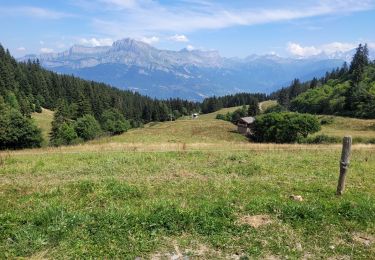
{"x":214,"y":103}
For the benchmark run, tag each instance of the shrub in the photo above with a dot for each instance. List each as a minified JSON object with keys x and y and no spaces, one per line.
{"x":64,"y":134}
{"x":113,"y":121}
{"x":16,"y":130}
{"x":321,"y":139}
{"x":221,"y":117}
{"x":236,"y":115}
{"x":275,"y":109}
{"x":286,"y":127}
{"x":87,"y":127}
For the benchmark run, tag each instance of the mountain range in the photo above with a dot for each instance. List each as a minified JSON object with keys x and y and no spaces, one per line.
{"x":188,"y":74}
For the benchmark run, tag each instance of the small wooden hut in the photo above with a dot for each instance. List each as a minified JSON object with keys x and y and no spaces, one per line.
{"x":244,"y":125}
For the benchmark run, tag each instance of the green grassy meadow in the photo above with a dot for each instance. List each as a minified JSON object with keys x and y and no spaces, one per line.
{"x":189,"y":188}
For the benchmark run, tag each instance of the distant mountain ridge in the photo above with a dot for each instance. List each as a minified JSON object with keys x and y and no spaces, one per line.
{"x":190,"y":74}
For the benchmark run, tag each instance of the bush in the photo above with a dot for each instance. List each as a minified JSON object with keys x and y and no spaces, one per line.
{"x":221,"y":117}
{"x":113,"y":121}
{"x":16,"y":130}
{"x":64,"y":134}
{"x":236,"y":115}
{"x":87,"y":127}
{"x":321,"y":139}
{"x":275,"y":109}
{"x":286,"y":127}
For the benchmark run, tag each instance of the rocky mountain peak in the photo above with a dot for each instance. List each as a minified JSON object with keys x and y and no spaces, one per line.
{"x":129,"y":44}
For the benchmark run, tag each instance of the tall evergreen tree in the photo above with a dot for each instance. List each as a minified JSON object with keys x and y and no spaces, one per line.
{"x":253,"y":108}
{"x":359,"y":62}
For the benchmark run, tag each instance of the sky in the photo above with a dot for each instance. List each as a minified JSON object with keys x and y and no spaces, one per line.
{"x":235,"y":28}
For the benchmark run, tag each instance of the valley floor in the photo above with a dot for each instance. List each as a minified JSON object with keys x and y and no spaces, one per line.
{"x":189,"y":188}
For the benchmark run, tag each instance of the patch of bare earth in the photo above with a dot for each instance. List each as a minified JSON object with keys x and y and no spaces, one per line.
{"x":364,"y":239}
{"x":255,"y":221}
{"x":200,"y":252}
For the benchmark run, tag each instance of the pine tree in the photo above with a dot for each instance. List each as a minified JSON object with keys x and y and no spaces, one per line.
{"x":253,"y":109}
{"x":314,"y":83}
{"x":359,"y":62}
{"x":83,"y":107}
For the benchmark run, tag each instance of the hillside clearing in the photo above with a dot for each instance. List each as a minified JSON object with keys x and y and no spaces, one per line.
{"x":43,"y":121}
{"x":201,"y":130}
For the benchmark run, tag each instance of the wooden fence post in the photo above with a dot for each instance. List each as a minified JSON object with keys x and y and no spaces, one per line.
{"x":344,"y":163}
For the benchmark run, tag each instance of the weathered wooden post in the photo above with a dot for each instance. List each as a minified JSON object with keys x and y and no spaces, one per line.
{"x":344,"y":163}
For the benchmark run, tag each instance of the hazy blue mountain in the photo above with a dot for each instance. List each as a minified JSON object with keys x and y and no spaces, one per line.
{"x":130,"y":64}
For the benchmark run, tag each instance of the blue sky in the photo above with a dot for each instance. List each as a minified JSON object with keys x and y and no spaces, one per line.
{"x":234,"y":28}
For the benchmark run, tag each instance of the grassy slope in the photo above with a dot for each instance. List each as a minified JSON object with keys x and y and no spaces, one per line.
{"x":267,"y":104}
{"x":44,"y":120}
{"x":358,"y":128}
{"x":134,"y":196}
{"x":205,"y":129}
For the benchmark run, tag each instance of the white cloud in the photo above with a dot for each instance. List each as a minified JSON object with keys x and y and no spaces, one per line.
{"x":190,"y":47}
{"x":46,"y":50}
{"x":338,"y":47}
{"x":329,"y":48}
{"x":41,"y":42}
{"x":33,"y":11}
{"x":179,"y":38}
{"x":150,"y":40}
{"x":145,"y":17}
{"x":21,"y":49}
{"x":298,"y":50}
{"x":95,"y":42}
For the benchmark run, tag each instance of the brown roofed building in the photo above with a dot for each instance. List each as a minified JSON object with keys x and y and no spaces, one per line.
{"x":244,"y":125}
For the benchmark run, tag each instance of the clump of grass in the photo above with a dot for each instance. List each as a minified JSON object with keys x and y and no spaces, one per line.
{"x":121,"y":190}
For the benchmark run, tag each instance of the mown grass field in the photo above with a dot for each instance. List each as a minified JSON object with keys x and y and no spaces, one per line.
{"x":189,"y":188}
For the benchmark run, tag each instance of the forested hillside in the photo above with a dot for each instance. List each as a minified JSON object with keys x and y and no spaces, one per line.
{"x":346,"y":91}
{"x":26,"y":87}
